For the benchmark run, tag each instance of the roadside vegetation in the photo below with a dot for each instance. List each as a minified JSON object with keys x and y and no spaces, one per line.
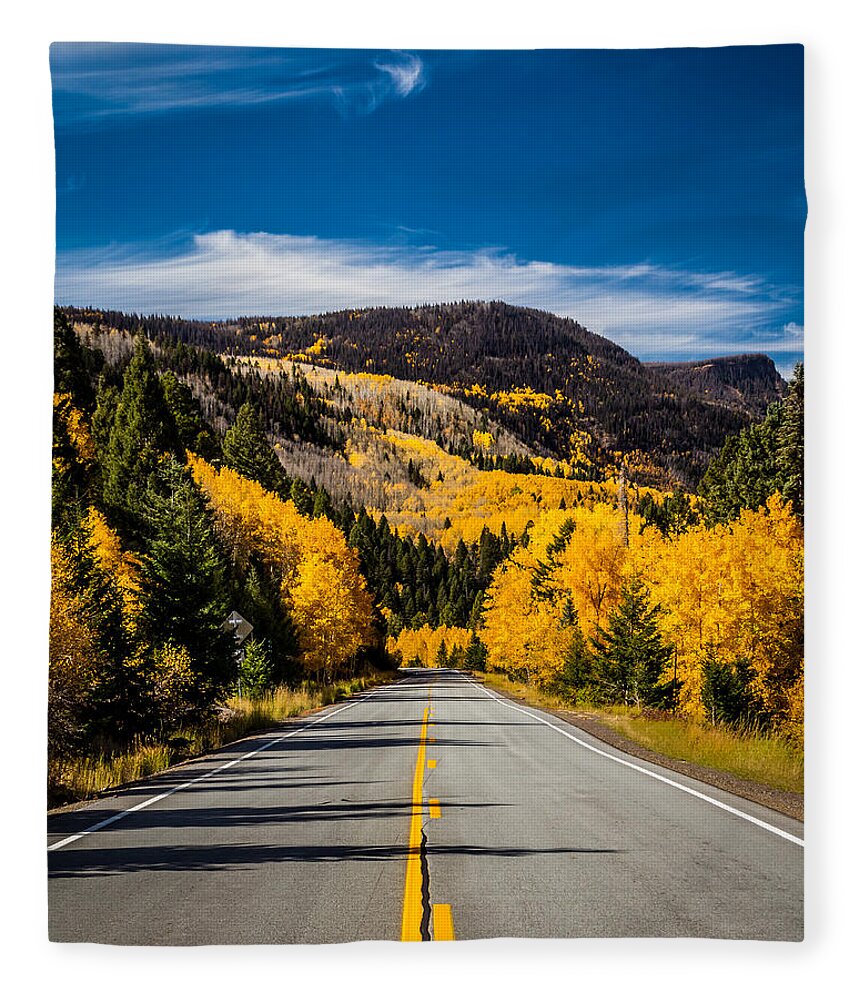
{"x":75,"y":779}
{"x":746,"y":753}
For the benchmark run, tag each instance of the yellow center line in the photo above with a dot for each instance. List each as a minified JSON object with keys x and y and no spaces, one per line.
{"x":431,"y":763}
{"x":443,"y":922}
{"x":413,"y":911}
{"x":435,"y":809}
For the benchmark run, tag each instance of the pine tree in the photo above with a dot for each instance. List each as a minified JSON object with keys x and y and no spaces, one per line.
{"x":259,"y":601}
{"x":475,"y":657}
{"x":746,"y":471}
{"x":184,"y":582}
{"x":789,"y":455}
{"x":143,"y":431}
{"x":247,"y":450}
{"x":631,"y":655}
{"x":194,"y":434}
{"x":302,"y":498}
{"x":477,"y":611}
{"x":728,"y":692}
{"x":322,"y":504}
{"x":256,"y":671}
{"x":70,"y":367}
{"x":107,"y":401}
{"x":442,"y":656}
{"x":577,"y":677}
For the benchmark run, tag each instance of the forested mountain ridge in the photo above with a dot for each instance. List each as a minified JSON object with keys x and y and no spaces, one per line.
{"x":745,"y":382}
{"x":564,"y":391}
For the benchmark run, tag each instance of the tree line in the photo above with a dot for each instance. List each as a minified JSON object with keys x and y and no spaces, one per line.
{"x":595,"y":386}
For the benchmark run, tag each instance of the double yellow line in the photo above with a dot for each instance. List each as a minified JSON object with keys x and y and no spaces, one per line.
{"x":413,"y":891}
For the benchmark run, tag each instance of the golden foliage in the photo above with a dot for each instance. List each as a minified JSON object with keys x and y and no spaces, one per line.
{"x":735,"y":591}
{"x":122,"y":566}
{"x":76,"y":427}
{"x":321,"y":584}
{"x":72,"y":650}
{"x":424,"y":643}
{"x":524,"y":636}
{"x":171,"y":682}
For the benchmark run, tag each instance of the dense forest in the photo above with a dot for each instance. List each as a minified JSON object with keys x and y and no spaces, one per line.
{"x":363,"y":515}
{"x":546,"y":379}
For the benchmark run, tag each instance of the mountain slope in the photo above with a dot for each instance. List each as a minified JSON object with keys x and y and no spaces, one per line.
{"x":562,"y":390}
{"x":745,"y":382}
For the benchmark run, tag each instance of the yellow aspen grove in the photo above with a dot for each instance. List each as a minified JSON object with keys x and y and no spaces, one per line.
{"x":424,"y":643}
{"x":321,"y":583}
{"x":523,"y":636}
{"x":764,"y":553}
{"x":733,"y":591}
{"x":592,"y":566}
{"x":331,"y":610}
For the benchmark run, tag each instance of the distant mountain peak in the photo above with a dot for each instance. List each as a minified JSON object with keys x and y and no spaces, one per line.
{"x":745,"y":382}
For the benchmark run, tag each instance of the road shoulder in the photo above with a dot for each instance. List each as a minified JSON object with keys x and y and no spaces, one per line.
{"x":787,"y":803}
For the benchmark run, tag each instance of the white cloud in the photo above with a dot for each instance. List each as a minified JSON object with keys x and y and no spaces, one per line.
{"x":407,"y":74}
{"x":654,"y":312}
{"x":148,"y":79}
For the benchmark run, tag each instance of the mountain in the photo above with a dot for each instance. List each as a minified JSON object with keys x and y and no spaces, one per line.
{"x":745,"y":382}
{"x":565,"y":392}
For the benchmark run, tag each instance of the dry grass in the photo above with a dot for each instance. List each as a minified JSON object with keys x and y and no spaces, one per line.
{"x":768,"y":760}
{"x":765,"y":759}
{"x":79,"y":778}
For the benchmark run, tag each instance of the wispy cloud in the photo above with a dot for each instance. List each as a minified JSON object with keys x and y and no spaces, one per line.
{"x":101,"y":81}
{"x":654,"y":312}
{"x":406,"y":72}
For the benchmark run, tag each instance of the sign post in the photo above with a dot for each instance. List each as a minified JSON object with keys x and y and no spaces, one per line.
{"x":241,"y":631}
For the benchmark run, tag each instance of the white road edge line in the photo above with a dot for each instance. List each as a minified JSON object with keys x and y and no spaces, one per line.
{"x":203,"y":777}
{"x":644,"y":770}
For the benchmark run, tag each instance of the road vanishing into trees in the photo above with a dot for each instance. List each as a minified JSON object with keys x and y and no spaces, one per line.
{"x":430,"y":809}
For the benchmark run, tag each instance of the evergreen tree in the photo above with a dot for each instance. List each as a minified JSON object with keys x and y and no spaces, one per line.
{"x":631,"y":655}
{"x":578,"y":678}
{"x":728,"y":692}
{"x":143,"y":431}
{"x":789,"y":456}
{"x":259,"y":601}
{"x":70,"y":366}
{"x":185,"y":598}
{"x":322,"y":504}
{"x":442,"y":656}
{"x":475,"y":657}
{"x":194,"y":434}
{"x":107,"y":401}
{"x":247,"y":450}
{"x":256,"y":671}
{"x":302,"y":498}
{"x":477,"y":612}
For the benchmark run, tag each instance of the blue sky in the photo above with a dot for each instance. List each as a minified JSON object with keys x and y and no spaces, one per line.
{"x":656,"y":195}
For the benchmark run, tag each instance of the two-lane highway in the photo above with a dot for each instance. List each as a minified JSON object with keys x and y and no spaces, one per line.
{"x":429,"y":809}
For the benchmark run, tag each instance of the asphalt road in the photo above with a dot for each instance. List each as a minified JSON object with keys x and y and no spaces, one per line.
{"x":429,"y":809}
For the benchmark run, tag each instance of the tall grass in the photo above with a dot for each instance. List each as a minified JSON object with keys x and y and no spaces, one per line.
{"x":754,"y":756}
{"x":78,"y":778}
